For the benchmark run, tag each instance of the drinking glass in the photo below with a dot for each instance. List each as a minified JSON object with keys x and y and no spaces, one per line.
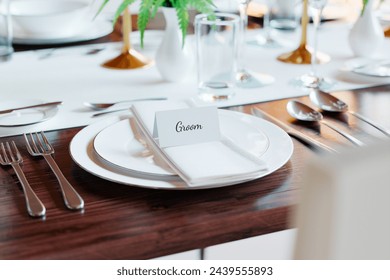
{"x":245,"y":78}
{"x":6,"y":49}
{"x":267,"y":40}
{"x":282,"y":15}
{"x":217,"y":49}
{"x":313,"y":80}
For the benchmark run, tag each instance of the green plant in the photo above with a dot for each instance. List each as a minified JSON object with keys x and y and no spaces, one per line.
{"x":365,"y":2}
{"x":149,"y":8}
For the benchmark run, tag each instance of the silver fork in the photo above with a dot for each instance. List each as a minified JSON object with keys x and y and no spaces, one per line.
{"x":40,"y":146}
{"x":11,"y":156}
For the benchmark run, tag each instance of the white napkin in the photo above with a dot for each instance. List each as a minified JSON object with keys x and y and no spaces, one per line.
{"x":203,"y":164}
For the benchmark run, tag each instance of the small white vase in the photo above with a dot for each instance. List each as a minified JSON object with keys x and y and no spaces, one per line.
{"x":366,"y":36}
{"x":173,"y":60}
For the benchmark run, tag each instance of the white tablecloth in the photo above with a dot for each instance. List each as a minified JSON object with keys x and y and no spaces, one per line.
{"x":73,"y":77}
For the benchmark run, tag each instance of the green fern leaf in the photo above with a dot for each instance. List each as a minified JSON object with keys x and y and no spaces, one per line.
{"x":365,"y":2}
{"x":157,"y":4}
{"x":143,"y":17}
{"x":203,"y":6}
{"x":183,"y":17}
{"x":101,"y":8}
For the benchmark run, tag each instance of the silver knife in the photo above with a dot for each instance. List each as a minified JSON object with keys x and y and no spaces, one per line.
{"x":293,"y":132}
{"x":111,"y":111}
{"x":31,"y":106}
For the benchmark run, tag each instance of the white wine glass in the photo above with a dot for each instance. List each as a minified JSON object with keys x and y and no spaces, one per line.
{"x":313,"y":80}
{"x":245,"y":78}
{"x":266,"y":39}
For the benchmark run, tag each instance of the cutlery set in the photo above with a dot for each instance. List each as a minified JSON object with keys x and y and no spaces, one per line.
{"x":103,"y":107}
{"x":38,"y":145}
{"x":47,"y":53}
{"x":292,"y":131}
{"x":330,"y":103}
{"x":303,"y":112}
{"x":50,"y":104}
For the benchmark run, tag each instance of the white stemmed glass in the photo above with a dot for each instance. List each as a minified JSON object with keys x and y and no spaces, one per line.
{"x":245,"y":78}
{"x":266,"y":40}
{"x":313,"y":80}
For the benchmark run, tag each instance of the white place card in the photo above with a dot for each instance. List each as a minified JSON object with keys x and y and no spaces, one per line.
{"x":186,"y":126}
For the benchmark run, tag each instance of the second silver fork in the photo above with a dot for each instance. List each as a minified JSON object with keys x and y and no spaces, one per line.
{"x":40,"y":146}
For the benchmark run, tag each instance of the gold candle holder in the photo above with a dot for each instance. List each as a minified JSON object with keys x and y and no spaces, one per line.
{"x":129,"y":58}
{"x":387,"y":32}
{"x":302,"y":55}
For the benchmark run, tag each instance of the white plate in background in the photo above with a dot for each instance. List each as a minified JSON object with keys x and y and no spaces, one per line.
{"x":350,"y":73}
{"x":95,"y":30}
{"x":25,"y":116}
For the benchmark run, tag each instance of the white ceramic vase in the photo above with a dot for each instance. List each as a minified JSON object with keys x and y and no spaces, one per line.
{"x":366,"y":36}
{"x":173,"y":60}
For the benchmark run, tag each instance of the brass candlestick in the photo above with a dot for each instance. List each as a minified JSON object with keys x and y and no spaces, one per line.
{"x":129,"y":58}
{"x":302,"y":55}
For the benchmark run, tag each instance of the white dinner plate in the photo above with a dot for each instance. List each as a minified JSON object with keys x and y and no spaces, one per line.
{"x":26,"y":116}
{"x":96,"y":29}
{"x":359,"y":71}
{"x":81,"y":149}
{"x":122,"y":145}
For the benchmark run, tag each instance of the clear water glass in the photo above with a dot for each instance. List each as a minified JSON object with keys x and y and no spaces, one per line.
{"x":217,"y":50}
{"x":6,"y":49}
{"x":282,"y":15}
{"x":312,"y":79}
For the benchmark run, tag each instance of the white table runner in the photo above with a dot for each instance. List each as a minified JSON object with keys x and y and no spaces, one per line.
{"x":73,"y":77}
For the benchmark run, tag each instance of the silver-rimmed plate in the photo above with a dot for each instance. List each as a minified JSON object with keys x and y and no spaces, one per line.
{"x":82,"y":151}
{"x":122,"y":144}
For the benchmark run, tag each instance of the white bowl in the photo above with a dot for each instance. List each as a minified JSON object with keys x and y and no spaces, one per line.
{"x":49,"y":18}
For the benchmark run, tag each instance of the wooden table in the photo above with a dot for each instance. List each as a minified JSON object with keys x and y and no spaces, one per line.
{"x":124,"y":222}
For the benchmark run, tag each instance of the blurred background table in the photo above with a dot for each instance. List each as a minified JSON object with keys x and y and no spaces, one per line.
{"x":124,"y":222}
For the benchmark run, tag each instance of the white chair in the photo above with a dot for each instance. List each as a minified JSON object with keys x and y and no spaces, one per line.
{"x":344,"y":210}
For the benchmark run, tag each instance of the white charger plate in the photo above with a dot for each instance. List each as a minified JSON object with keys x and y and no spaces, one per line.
{"x":96,"y":29}
{"x":120,"y":144}
{"x":26,"y":116}
{"x":81,"y":149}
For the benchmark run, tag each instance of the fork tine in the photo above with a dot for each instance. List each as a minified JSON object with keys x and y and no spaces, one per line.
{"x":28,"y":145}
{"x":9,"y":150}
{"x":18,"y":155}
{"x":40,"y":143}
{"x":47,"y":143}
{"x":34,"y":143}
{"x":2,"y":153}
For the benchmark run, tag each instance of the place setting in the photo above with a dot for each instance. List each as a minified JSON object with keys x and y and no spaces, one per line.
{"x":117,"y":149}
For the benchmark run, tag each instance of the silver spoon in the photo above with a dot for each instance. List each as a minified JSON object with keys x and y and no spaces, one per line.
{"x":330,"y":103}
{"x":103,"y":106}
{"x":303,"y":112}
